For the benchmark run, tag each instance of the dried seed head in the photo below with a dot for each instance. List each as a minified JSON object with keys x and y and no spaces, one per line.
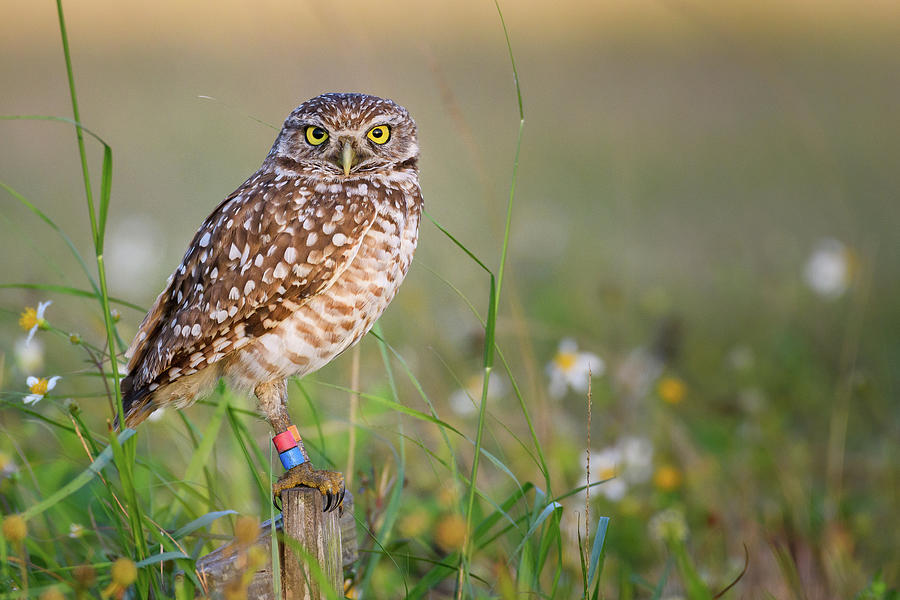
{"x":246,"y":530}
{"x":85,"y":576}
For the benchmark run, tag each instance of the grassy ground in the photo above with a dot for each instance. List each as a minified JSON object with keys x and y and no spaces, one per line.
{"x":702,"y":227}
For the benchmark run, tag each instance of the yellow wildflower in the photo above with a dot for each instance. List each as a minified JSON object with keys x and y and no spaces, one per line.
{"x":124,"y":573}
{"x":14,"y":528}
{"x":39,"y":386}
{"x":450,"y":532}
{"x":32,"y":319}
{"x":667,"y":478}
{"x":671,"y":389}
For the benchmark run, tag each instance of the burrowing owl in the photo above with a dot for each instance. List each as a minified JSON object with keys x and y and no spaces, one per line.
{"x":290,"y":270}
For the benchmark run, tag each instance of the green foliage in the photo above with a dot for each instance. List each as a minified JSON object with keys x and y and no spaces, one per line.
{"x":489,"y":504}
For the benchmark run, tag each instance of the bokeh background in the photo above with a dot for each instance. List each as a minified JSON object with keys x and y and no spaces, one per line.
{"x":706,"y":211}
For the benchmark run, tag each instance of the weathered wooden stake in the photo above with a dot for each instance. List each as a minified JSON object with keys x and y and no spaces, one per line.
{"x":323,"y":536}
{"x":318,"y":534}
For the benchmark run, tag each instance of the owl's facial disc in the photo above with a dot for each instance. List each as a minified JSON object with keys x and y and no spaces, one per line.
{"x":347,"y":135}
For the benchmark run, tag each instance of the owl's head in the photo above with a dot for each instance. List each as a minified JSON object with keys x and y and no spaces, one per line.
{"x":346,"y":135}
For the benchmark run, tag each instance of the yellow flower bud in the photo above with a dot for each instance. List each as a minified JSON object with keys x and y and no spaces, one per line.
{"x":450,"y":532}
{"x":52,"y":594}
{"x":667,"y":478}
{"x":14,"y":528}
{"x":671,"y":389}
{"x":124,"y":572}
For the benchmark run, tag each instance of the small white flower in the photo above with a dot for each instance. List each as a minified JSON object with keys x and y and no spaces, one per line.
{"x":741,"y":358}
{"x":637,"y":459}
{"x":571,"y":369}
{"x":668,"y":525}
{"x":8,"y":467}
{"x":464,"y":401}
{"x":29,"y":356}
{"x":606,"y":467}
{"x":39,"y":388}
{"x":76,"y":530}
{"x":32,"y":319}
{"x":828,"y":270}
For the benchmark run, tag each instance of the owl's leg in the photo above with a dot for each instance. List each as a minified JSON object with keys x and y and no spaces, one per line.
{"x":272,"y":396}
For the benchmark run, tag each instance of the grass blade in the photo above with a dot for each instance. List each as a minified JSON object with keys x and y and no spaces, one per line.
{"x":597,"y":549}
{"x":163,"y":556}
{"x":69,"y":291}
{"x":79,"y":482}
{"x":201,"y":522}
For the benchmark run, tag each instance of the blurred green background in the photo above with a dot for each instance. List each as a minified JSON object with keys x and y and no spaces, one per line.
{"x":708,"y":195}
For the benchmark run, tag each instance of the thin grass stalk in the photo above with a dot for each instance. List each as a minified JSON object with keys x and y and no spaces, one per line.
{"x":354,"y":405}
{"x":490,"y":332}
{"x":393,"y":504}
{"x":97,"y":233}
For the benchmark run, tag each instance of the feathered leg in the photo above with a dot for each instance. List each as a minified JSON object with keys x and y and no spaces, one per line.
{"x":272,"y":396}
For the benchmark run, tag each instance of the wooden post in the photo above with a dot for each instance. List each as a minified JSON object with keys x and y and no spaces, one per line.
{"x":318,"y":534}
{"x":226,"y":565}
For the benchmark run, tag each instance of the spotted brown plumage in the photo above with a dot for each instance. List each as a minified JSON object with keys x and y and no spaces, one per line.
{"x":293,"y":267}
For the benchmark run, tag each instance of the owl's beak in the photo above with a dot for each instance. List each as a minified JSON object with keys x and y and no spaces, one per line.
{"x":348,"y":158}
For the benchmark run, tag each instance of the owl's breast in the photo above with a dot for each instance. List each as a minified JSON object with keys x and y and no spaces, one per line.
{"x":333,"y":320}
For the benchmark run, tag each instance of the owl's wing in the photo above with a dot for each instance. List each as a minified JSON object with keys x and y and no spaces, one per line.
{"x":256,"y":258}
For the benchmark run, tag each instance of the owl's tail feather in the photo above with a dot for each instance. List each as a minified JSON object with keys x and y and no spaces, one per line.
{"x":136,"y":403}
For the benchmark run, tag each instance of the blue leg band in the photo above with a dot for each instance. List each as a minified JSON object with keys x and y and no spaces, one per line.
{"x":291,"y":458}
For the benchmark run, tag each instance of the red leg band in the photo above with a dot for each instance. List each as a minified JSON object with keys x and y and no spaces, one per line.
{"x":284,"y":441}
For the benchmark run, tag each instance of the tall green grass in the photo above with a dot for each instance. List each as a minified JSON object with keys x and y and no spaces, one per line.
{"x":164,"y":538}
{"x":499,"y":517}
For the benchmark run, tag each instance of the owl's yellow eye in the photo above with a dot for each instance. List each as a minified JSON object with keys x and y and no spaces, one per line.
{"x":316,"y":135}
{"x":379,"y":134}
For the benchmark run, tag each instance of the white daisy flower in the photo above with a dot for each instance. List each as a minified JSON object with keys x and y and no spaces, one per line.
{"x":76,"y":530}
{"x":829,"y":269}
{"x":637,"y":458}
{"x":572,"y":369}
{"x":29,"y":356}
{"x":39,"y":388}
{"x":33,"y":319}
{"x":668,"y":525}
{"x":606,"y":467}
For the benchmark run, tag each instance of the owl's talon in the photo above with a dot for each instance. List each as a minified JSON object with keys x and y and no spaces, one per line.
{"x":329,"y":483}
